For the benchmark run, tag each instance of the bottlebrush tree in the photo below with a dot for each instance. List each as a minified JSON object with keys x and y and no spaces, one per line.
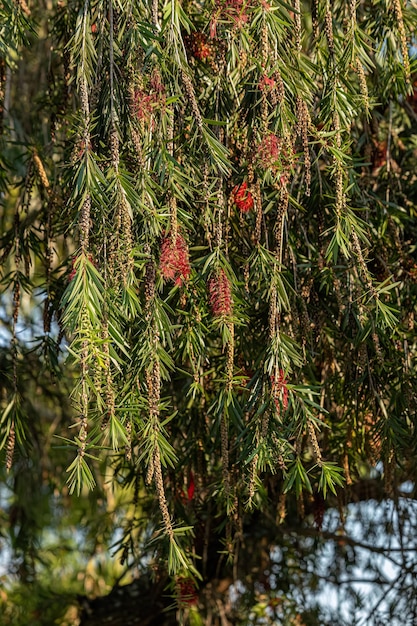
{"x":210,"y":208}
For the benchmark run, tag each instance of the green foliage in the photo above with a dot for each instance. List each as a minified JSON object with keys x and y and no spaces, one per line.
{"x":209,"y":221}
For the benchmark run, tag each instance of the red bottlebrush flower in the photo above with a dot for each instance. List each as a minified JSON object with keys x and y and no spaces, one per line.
{"x":187,"y":592}
{"x":266,"y":84}
{"x":242,"y":198}
{"x":180,"y":494}
{"x":319,"y":510}
{"x":191,"y":487}
{"x":220,"y":294}
{"x":280,"y":390}
{"x":174,"y":262}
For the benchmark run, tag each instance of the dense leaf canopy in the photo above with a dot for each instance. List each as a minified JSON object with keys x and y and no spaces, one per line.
{"x":208,"y":287}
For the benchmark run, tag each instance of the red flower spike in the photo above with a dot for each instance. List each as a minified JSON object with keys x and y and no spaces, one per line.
{"x":280,"y":390}
{"x":220,"y":294}
{"x":191,"y":487}
{"x":266,"y":84}
{"x":319,"y":510}
{"x":187,"y":592}
{"x":243,"y":198}
{"x":174,"y":262}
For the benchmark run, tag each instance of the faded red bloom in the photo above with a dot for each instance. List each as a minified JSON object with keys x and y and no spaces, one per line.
{"x":187,"y":592}
{"x":236,"y":11}
{"x":413,"y":273}
{"x":233,"y":10}
{"x":156,"y":85}
{"x":276,"y":155}
{"x":144,"y":105}
{"x":412,"y":98}
{"x":280,"y":390}
{"x":247,"y":375}
{"x":220,"y":294}
{"x":379,"y":155}
{"x":266,"y":84}
{"x":269,"y":150}
{"x":242,"y":198}
{"x":80,"y":149}
{"x":199,"y":46}
{"x":148,"y":100}
{"x":174,"y":262}
{"x":74,"y":269}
